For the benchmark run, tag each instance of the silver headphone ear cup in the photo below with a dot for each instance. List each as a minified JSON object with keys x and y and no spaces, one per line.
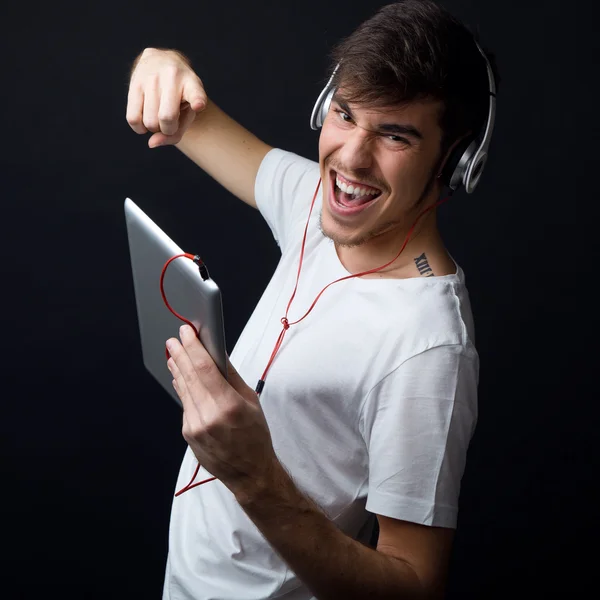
{"x":474,"y":171}
{"x":457,"y":164}
{"x":325,"y":106}
{"x":321,"y":107}
{"x":315,"y":115}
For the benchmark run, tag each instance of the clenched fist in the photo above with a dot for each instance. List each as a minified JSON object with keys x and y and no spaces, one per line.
{"x":164,"y":96}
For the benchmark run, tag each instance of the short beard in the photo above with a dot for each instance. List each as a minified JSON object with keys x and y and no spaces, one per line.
{"x":367,"y":237}
{"x":385,"y":227}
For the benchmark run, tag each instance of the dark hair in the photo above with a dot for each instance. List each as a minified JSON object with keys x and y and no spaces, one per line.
{"x":416,"y":50}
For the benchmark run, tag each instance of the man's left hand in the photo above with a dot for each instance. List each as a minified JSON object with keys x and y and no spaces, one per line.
{"x":223,"y":422}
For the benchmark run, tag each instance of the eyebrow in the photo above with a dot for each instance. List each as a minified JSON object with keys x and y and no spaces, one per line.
{"x":394,"y":128}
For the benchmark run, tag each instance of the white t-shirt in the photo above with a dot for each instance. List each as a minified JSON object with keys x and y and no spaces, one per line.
{"x":371,"y":402}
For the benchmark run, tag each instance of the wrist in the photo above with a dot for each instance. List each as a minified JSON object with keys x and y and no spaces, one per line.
{"x":264,"y":489}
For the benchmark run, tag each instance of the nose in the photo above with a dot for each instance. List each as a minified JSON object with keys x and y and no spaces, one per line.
{"x":355,"y":150}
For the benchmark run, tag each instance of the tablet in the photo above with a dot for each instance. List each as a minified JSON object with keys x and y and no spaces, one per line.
{"x":195,"y":299}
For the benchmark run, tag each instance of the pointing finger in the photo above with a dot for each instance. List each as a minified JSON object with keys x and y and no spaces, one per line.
{"x":194,"y":93}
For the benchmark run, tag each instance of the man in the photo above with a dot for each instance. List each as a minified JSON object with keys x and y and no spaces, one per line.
{"x":370,"y":393}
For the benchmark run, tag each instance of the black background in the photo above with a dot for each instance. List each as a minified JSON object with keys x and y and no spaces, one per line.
{"x":91,"y":446}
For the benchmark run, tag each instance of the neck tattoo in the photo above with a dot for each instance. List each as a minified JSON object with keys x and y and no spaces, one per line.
{"x":423,"y":266}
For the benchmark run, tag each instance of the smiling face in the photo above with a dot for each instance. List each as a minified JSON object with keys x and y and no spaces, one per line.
{"x":376,"y":166}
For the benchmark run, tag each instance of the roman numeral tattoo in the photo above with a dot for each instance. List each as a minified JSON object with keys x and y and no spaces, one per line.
{"x":423,"y":266}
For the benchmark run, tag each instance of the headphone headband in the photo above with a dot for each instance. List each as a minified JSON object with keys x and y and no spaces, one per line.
{"x":468,"y":157}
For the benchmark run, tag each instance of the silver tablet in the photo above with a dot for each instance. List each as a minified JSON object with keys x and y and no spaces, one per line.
{"x":195,"y":299}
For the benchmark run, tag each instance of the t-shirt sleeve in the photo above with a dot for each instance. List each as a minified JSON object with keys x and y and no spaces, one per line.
{"x":284,"y":188}
{"x":417,"y":424}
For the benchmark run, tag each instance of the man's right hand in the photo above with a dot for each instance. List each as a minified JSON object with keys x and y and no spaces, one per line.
{"x":164,"y":96}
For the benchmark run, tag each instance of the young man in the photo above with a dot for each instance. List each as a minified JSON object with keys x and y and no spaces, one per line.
{"x":370,"y":395}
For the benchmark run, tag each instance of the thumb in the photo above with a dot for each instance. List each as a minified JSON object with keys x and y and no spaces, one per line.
{"x":239,"y":385}
{"x":158,"y":139}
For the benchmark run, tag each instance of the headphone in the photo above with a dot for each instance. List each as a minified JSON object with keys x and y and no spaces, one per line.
{"x":466,"y":161}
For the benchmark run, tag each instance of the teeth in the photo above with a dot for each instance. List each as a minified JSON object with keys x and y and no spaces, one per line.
{"x":356,"y":191}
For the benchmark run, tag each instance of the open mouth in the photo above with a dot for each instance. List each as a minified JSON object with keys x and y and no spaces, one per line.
{"x":351,"y":195}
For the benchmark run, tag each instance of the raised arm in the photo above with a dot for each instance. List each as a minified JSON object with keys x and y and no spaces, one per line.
{"x":166,"y":97}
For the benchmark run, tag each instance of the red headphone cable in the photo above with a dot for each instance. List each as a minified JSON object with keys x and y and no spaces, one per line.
{"x":284,"y":320}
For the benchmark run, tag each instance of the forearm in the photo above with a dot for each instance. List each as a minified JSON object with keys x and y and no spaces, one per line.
{"x":225,"y":150}
{"x":330,"y":563}
{"x":218,"y":144}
